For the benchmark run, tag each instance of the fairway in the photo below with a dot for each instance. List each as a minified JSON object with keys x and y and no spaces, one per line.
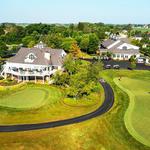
{"x":137,"y":117}
{"x":27,"y":98}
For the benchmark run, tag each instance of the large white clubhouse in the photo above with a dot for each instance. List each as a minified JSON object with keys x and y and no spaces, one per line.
{"x":32,"y":63}
{"x":121,"y":49}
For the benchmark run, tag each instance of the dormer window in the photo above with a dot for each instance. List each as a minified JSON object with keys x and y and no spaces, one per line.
{"x":124,"y":48}
{"x":31,"y":56}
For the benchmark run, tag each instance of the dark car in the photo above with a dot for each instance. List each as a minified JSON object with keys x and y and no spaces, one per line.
{"x":116,"y":66}
{"x":129,"y":68}
{"x":108,"y":67}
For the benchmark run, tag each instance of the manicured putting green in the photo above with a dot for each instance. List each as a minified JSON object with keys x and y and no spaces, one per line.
{"x":137,"y":117}
{"x":29,"y":97}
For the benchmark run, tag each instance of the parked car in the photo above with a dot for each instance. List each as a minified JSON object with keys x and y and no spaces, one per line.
{"x":129,"y":68}
{"x":108,"y":67}
{"x":116,"y":66}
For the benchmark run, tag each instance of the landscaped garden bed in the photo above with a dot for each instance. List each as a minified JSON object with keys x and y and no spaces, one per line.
{"x":8,"y":82}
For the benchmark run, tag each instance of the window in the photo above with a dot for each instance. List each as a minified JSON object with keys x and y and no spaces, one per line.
{"x":122,"y":55}
{"x":124,"y":48}
{"x":114,"y":55}
{"x":31,"y":56}
{"x":118,"y":55}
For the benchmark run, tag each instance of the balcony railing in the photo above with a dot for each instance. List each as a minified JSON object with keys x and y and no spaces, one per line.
{"x":29,"y":73}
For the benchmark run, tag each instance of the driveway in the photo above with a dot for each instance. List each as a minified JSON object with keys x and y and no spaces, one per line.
{"x":105,"y":107}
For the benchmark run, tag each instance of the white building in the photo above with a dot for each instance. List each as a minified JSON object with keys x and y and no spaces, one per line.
{"x":35,"y":63}
{"x":121,"y":49}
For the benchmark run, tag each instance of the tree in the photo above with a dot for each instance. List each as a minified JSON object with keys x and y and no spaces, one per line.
{"x":67,"y":43}
{"x":146,"y":51}
{"x":81,"y":26}
{"x":31,"y":44}
{"x":2,"y":31}
{"x":132,"y":59}
{"x":61,"y":79}
{"x":27,"y":39}
{"x":14,"y":34}
{"x":133,"y":62}
{"x":93,"y":43}
{"x":53,"y":40}
{"x":94,"y":70}
{"x":75,"y":50}
{"x":70,"y":64}
{"x":84,"y":43}
{"x":3,"y":49}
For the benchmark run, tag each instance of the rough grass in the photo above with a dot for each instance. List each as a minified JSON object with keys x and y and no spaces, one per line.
{"x":137,"y":117}
{"x":107,"y":132}
{"x":41,"y":103}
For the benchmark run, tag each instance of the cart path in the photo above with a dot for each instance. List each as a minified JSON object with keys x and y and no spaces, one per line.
{"x":105,"y":107}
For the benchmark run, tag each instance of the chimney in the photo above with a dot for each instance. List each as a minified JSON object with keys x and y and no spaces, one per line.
{"x":47,"y":55}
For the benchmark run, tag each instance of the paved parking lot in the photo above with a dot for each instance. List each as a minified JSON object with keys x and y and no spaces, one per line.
{"x":126,"y":64}
{"x":122,"y":64}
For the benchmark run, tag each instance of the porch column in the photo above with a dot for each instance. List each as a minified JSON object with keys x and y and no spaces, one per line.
{"x":5,"y":76}
{"x":35,"y":79}
{"x":43,"y":79}
{"x":27,"y":78}
{"x":18,"y":79}
{"x":11,"y":76}
{"x":23,"y":79}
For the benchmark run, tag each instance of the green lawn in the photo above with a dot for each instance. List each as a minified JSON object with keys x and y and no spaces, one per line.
{"x":29,"y":103}
{"x":137,"y":118}
{"x":26,"y":98}
{"x":107,"y":132}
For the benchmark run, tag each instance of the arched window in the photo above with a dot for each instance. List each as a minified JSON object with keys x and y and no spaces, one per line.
{"x":31,"y":56}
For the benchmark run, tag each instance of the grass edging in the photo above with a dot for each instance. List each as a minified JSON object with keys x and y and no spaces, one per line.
{"x":127,"y":116}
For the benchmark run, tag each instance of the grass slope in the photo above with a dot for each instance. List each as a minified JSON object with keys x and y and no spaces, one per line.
{"x":107,"y":132}
{"x":137,"y":117}
{"x":42,"y":103}
{"x":26,"y":98}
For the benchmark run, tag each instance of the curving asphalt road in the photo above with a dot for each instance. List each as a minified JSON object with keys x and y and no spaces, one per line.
{"x":105,"y":107}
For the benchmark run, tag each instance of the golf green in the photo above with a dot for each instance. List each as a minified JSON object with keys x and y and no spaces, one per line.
{"x":28,"y":97}
{"x":137,"y":117}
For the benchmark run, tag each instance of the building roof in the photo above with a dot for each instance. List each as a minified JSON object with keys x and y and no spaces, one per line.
{"x":111,"y":45}
{"x":120,"y":51}
{"x":108,"y":43}
{"x":56,"y":57}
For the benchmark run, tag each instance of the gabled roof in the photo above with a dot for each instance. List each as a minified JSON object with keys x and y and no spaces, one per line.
{"x":55,"y":56}
{"x":107,"y":43}
{"x":110,"y":42}
{"x":113,"y":46}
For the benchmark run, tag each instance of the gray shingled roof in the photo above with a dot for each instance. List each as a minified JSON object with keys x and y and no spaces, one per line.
{"x":109,"y":42}
{"x":56,"y":58}
{"x":115,"y":49}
